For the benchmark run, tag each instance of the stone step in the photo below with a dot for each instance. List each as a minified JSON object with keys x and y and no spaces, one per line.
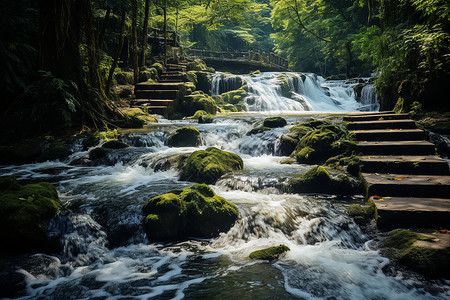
{"x":152,"y":101}
{"x":384,"y":124}
{"x":156,"y":94}
{"x":401,"y":185}
{"x":171,"y":80}
{"x":390,"y":135}
{"x":157,"y":86}
{"x":432,"y":165}
{"x":390,"y":112}
{"x":396,"y":148}
{"x":373,"y":117}
{"x":397,"y":212}
{"x":172,"y":76}
{"x":171,"y":73}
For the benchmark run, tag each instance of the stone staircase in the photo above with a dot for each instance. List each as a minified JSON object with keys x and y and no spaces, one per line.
{"x":161,"y":97}
{"x":408,"y":183}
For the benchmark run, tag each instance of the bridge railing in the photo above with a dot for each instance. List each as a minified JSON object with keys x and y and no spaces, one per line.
{"x":261,"y":57}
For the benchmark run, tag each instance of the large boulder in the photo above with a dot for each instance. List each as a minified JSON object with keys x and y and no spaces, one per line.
{"x":24,"y":214}
{"x":191,"y":212}
{"x":207,"y":166}
{"x":198,"y":100}
{"x":319,"y":180}
{"x":185,"y":137}
{"x":275,"y":122}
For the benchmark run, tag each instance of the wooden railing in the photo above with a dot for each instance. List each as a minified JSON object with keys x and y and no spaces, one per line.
{"x":158,"y":34}
{"x":262,"y":57}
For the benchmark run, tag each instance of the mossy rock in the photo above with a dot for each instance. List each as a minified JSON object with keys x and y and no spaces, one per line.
{"x":137,"y":113}
{"x":92,"y":140}
{"x":199,"y":113}
{"x":176,"y":162}
{"x":337,"y":77}
{"x":158,"y":67}
{"x":196,"y":65}
{"x":124,"y":78}
{"x":417,"y":252}
{"x":24,"y":214}
{"x":190,"y":76}
{"x":191,"y":212}
{"x":350,"y":163}
{"x":185,"y":137}
{"x":319,"y":180}
{"x":288,"y":142}
{"x":124,"y":91}
{"x":300,"y":130}
{"x":363,"y":214}
{"x":148,"y":74}
{"x":98,"y":153}
{"x":271,"y":253}
{"x":207,"y":166}
{"x":235,"y":96}
{"x":283,"y":83}
{"x":205,"y":119}
{"x":198,"y":101}
{"x":54,"y":150}
{"x":399,"y":106}
{"x":315,"y":123}
{"x":275,"y":122}
{"x":229,"y":108}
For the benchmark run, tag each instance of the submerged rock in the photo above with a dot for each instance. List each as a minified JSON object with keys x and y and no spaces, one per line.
{"x":207,"y":166}
{"x":319,"y":180}
{"x":191,"y":212}
{"x":271,"y":253}
{"x":275,"y":122}
{"x":24,"y":214}
{"x":185,"y":137}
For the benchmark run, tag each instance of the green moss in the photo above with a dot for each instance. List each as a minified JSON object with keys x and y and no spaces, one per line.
{"x":235,"y":96}
{"x":148,"y":74}
{"x":258,"y":130}
{"x":199,"y":113}
{"x":288,"y":142}
{"x":158,"y":67}
{"x":115,"y":145}
{"x":349,"y":163}
{"x":398,"y":108}
{"x":283,"y":83}
{"x":196,"y":65}
{"x":93,"y":139}
{"x":190,"y":76}
{"x":124,"y":77}
{"x":229,"y":108}
{"x":138,"y":113}
{"x":319,"y":180}
{"x":363,"y":214}
{"x":184,"y":137}
{"x":337,"y":77}
{"x":206,"y":119}
{"x":198,"y":101}
{"x":430,"y":261}
{"x":207,"y":166}
{"x":271,"y":253}
{"x":300,"y":130}
{"x":24,"y":214}
{"x":191,"y":212}
{"x":305,"y":155}
{"x":275,"y":122}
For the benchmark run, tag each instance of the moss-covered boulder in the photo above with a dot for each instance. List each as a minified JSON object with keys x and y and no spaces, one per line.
{"x":419,"y":252}
{"x":235,"y":96}
{"x":205,"y":119}
{"x":300,"y":130}
{"x":229,"y":108}
{"x":148,"y":74}
{"x":196,"y":65}
{"x":53,"y":149}
{"x":349,"y":163}
{"x":319,"y":180}
{"x":288,"y":142}
{"x":271,"y":253}
{"x":363,"y":214}
{"x":198,"y":100}
{"x":24,"y":214}
{"x":140,"y":114}
{"x":207,"y":166}
{"x":124,"y":91}
{"x":191,"y":212}
{"x":257,"y":130}
{"x":275,"y":122}
{"x":176,"y":162}
{"x":115,"y":144}
{"x":158,"y":67}
{"x":284,"y":86}
{"x":190,"y":76}
{"x":185,"y":137}
{"x":124,"y":78}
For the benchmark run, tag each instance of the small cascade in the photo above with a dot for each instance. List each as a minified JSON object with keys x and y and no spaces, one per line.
{"x":368,"y":99}
{"x":290,"y":92}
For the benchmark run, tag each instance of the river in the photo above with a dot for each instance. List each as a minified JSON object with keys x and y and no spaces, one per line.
{"x":106,"y":255}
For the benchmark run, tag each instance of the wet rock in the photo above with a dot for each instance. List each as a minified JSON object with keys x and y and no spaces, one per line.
{"x":98,"y":153}
{"x":271,"y":253}
{"x":288,"y":142}
{"x":176,"y":162}
{"x":205,"y":119}
{"x":283,"y":83}
{"x":235,"y":96}
{"x":349,"y":163}
{"x":138,"y":113}
{"x":319,"y":180}
{"x":275,"y":122}
{"x":191,"y":212}
{"x":258,"y":130}
{"x":184,"y":137}
{"x":207,"y":166}
{"x":198,"y":100}
{"x":363,"y":214}
{"x":115,"y":145}
{"x":24,"y":215}
{"x":199,"y":113}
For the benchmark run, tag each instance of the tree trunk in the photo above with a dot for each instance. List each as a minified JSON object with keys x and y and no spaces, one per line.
{"x":118,"y":52}
{"x":144,"y":44}
{"x":135,"y":44}
{"x":101,"y":36}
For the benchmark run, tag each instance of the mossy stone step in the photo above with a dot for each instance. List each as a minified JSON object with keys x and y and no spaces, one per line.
{"x":383,"y":124}
{"x":152,"y":102}
{"x":396,"y":148}
{"x":397,"y":212}
{"x":390,"y":135}
{"x":374,"y":117}
{"x":156,"y":94}
{"x":407,"y":185}
{"x":432,"y":165}
{"x":157,"y":86}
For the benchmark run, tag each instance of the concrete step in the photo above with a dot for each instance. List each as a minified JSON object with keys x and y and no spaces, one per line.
{"x":373,"y":117}
{"x":390,"y":135}
{"x":397,"y":212}
{"x":384,"y":124}
{"x":157,"y":86}
{"x":156,"y":94}
{"x":401,"y":185}
{"x":396,"y":148}
{"x":431,"y":165}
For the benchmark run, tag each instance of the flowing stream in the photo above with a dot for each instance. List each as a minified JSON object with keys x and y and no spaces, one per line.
{"x":106,"y":255}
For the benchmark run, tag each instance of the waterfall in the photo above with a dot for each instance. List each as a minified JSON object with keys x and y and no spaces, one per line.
{"x":289,"y":92}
